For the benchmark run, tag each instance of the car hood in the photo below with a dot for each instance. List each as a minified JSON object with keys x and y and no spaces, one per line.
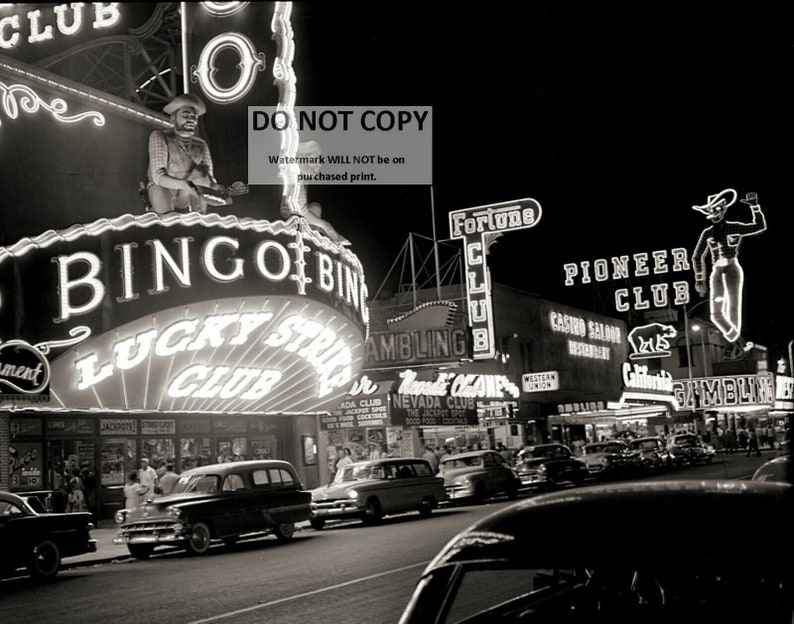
{"x":156,"y":507}
{"x":336,"y":490}
{"x":532,"y":463}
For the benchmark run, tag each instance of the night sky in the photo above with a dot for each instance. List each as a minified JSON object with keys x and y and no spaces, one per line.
{"x":617,"y":121}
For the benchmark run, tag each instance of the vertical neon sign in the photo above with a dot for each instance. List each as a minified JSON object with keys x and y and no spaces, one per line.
{"x":479,"y":227}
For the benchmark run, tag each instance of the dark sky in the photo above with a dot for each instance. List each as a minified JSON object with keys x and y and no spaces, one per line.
{"x":617,"y":120}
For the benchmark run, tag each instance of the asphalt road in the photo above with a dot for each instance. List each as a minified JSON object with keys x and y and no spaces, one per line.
{"x":345,"y":573}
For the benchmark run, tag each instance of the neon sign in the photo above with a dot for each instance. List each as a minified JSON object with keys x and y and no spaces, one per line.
{"x":250,"y":63}
{"x":16,"y":97}
{"x":68,"y":22}
{"x":641,"y":264}
{"x":478,"y":227}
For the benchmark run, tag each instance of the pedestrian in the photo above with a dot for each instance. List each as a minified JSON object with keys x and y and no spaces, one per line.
{"x":430,"y":456}
{"x":147,"y":476}
{"x":134,"y":492}
{"x":752,"y":444}
{"x":75,"y":500}
{"x":345,"y":460}
{"x":168,"y":480}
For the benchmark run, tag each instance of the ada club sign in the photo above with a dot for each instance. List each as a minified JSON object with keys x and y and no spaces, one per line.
{"x":478,"y":227}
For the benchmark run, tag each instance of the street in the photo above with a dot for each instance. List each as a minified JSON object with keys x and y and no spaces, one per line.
{"x":347,"y":572}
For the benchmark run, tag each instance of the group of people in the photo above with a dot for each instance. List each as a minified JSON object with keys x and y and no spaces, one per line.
{"x":147,"y":482}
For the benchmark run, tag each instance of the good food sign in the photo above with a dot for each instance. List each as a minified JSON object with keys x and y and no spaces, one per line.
{"x":189,"y":313}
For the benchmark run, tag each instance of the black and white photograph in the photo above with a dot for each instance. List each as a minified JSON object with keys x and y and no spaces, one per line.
{"x":396,"y":313}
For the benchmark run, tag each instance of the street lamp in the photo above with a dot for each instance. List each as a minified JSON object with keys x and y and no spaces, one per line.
{"x":695,"y":395}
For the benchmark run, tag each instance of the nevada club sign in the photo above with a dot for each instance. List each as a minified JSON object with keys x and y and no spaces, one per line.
{"x":186,"y":313}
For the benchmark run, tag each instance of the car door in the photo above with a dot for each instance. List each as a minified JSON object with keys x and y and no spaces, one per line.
{"x":281,"y":500}
{"x":238,"y":514}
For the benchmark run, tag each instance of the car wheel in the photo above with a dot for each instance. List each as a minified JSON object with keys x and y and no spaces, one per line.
{"x":480,"y":493}
{"x":200,"y":539}
{"x":140,"y":551}
{"x":284,"y":531}
{"x":317,"y":523}
{"x":427,"y":506}
{"x":372,"y":513}
{"x":45,"y":560}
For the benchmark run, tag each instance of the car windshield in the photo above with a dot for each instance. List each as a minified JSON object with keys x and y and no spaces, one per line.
{"x":688,"y":439}
{"x":462,"y":462}
{"x":484,"y":594}
{"x":542,"y":451}
{"x":358,"y":473}
{"x":644,"y":445}
{"x":198,"y":483}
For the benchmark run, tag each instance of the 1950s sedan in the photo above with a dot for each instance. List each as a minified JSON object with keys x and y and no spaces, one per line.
{"x":520,"y":565}
{"x":219,"y":501}
{"x":372,"y":489}
{"x":36,"y":540}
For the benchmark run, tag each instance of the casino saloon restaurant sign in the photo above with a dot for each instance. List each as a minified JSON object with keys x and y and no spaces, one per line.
{"x":184,"y":313}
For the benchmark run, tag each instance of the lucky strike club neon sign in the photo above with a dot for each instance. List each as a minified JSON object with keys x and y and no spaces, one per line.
{"x":329,"y":355}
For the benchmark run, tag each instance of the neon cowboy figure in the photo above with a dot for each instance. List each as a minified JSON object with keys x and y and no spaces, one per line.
{"x":726,"y":280}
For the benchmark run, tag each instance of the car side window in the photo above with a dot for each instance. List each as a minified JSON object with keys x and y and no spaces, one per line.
{"x":259,"y":478}
{"x":281,"y":477}
{"x":422,"y":470}
{"x":405,"y":472}
{"x":9,"y":509}
{"x":232,"y":483}
{"x":489,"y":460}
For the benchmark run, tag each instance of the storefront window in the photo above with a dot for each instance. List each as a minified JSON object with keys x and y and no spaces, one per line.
{"x":118,"y":456}
{"x":264,"y":447}
{"x":232,"y":449}
{"x":194,"y":452}
{"x":159,"y":451}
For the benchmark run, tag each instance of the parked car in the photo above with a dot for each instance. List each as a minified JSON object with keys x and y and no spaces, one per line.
{"x":35,"y":540}
{"x":652,"y":451}
{"x":219,"y":501}
{"x":520,"y":564}
{"x":545,"y":466}
{"x":776,"y":469}
{"x":477,"y":476}
{"x":370,"y":490}
{"x":610,"y":459}
{"x":689,"y":448}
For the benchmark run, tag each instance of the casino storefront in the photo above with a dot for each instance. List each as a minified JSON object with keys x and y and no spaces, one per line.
{"x":210,"y":335}
{"x":174,"y":361}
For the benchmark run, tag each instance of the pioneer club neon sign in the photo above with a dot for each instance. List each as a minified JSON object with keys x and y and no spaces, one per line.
{"x":70,"y":19}
{"x":478,"y":227}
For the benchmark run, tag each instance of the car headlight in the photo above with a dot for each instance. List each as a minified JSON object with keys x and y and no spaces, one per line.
{"x":173,"y":512}
{"x":542,"y":468}
{"x":352,"y":494}
{"x":605,"y":461}
{"x":120,"y":516}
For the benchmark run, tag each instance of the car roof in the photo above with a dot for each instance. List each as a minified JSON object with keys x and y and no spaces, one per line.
{"x":511,"y":534}
{"x":388,"y":460}
{"x":227,"y":467}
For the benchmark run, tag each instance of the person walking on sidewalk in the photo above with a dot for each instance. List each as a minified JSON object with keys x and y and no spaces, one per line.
{"x":752,"y":444}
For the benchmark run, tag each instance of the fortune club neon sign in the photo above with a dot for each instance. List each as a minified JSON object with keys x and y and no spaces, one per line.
{"x":474,"y":226}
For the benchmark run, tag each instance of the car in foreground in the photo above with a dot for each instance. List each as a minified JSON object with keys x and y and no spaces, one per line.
{"x":35,"y":540}
{"x":520,"y":565}
{"x":611,"y":459}
{"x":652,"y":452}
{"x":477,"y":476}
{"x":779,"y":469}
{"x":217,"y":502}
{"x":547,"y":466}
{"x":370,"y":490}
{"x":689,"y":448}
